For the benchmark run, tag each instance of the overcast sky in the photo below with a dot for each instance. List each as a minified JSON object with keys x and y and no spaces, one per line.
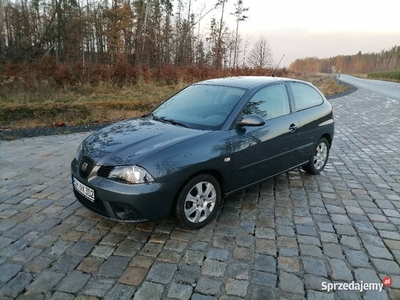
{"x":321,"y":28}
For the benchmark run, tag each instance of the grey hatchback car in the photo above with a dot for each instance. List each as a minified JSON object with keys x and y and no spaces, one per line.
{"x":206,"y":142}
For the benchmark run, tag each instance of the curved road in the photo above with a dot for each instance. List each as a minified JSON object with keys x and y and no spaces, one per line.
{"x":384,"y":88}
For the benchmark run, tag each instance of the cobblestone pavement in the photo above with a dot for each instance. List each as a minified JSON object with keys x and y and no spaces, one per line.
{"x":278,"y":240}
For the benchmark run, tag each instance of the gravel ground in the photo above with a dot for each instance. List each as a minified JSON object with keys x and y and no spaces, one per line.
{"x":13,"y":134}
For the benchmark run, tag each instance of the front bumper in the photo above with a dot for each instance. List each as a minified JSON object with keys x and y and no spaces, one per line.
{"x":126,"y":202}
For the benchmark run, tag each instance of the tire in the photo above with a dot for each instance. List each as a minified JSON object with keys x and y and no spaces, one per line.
{"x":319,"y":157}
{"x":198,"y":202}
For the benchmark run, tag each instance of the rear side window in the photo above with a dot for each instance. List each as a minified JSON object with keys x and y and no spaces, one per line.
{"x":304,"y":95}
{"x":269,"y":102}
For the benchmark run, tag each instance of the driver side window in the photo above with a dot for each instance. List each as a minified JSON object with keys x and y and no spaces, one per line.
{"x":269,"y":102}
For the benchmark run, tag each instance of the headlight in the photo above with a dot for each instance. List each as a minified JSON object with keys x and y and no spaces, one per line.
{"x":78,"y":153}
{"x":131,"y":174}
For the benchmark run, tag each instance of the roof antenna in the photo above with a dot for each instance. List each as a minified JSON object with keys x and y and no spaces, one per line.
{"x":273,"y":73}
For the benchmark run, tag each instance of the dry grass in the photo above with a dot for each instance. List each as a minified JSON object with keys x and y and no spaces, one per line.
{"x":104,"y":103}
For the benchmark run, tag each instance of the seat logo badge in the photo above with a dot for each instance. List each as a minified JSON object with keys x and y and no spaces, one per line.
{"x":227,"y":159}
{"x":84,"y":167}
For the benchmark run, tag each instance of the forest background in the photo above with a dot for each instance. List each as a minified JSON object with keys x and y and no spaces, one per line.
{"x":85,"y":61}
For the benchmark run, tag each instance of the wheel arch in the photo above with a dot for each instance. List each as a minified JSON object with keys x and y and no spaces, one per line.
{"x":217,"y":175}
{"x":328,"y":137}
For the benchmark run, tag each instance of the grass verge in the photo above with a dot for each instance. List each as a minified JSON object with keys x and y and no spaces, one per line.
{"x":82,"y":105}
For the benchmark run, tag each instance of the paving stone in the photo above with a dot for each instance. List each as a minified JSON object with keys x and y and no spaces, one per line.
{"x":66,"y":263}
{"x":175,"y":245}
{"x":142,"y":262}
{"x":90,"y":264}
{"x":213,"y":268}
{"x":98,"y":287}
{"x":202,"y":297}
{"x":325,"y":227}
{"x":386,"y":266}
{"x":265,"y":279}
{"x":208,"y":286}
{"x":261,"y":293}
{"x":13,"y":248}
{"x":39,"y":264}
{"x":187,"y":274}
{"x":357,"y":259}
{"x":289,"y":264}
{"x":180,"y":291}
{"x":306,"y":230}
{"x":340,"y":271}
{"x":245,"y":240}
{"x":267,"y":247}
{"x":114,"y":266}
{"x":193,"y":257}
{"x":200,"y":246}
{"x":45,"y":281}
{"x":345,"y":230}
{"x":170,"y":256}
{"x":378,"y":252}
{"x":133,"y":276}
{"x":340,"y":219}
{"x":314,"y":295}
{"x":389,"y":235}
{"x":288,"y":252}
{"x":265,"y":233}
{"x":313,"y":282}
{"x":310,"y":250}
{"x":244,"y":254}
{"x":61,"y":296}
{"x":81,"y":248}
{"x":286,"y":242}
{"x":350,"y":242}
{"x":120,"y":292}
{"x":103,"y":251}
{"x":310,"y":240}
{"x":218,"y":254}
{"x":285,"y":231}
{"x":161,"y":272}
{"x":314,"y":266}
{"x":8,"y":271}
{"x":73,"y":282}
{"x":290,"y":283}
{"x":238,"y":270}
{"x":265,"y":263}
{"x":366,"y":275}
{"x":128,"y":248}
{"x":332,"y":250}
{"x":17,"y":285}
{"x":151,"y":249}
{"x":236,"y":287}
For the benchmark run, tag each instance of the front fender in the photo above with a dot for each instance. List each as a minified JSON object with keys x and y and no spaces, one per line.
{"x":206,"y":152}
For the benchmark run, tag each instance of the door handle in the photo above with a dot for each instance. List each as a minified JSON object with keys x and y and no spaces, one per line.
{"x":293,"y":127}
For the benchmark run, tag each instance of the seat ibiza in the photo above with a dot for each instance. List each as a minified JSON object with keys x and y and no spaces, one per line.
{"x":206,"y":142}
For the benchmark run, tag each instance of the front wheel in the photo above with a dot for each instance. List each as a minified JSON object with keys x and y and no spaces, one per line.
{"x":318,"y":158}
{"x":198,"y":202}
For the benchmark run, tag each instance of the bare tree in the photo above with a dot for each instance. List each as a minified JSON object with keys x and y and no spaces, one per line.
{"x":261,"y":54}
{"x":240,"y":17}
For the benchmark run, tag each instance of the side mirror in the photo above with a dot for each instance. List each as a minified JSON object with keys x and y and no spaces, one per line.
{"x":251,"y":120}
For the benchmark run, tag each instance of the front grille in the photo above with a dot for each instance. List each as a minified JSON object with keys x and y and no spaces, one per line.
{"x":85,"y":167}
{"x":104,"y":171}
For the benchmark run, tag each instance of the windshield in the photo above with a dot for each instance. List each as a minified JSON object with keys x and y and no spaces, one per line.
{"x":200,"y":106}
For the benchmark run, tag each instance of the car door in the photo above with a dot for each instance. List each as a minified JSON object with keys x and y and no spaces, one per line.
{"x":311,"y":115}
{"x":263,"y":151}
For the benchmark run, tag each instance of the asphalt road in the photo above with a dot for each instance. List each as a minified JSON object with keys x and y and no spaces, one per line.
{"x":278,"y":240}
{"x":384,"y":88}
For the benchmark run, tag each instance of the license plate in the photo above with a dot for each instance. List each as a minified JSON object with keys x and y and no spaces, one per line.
{"x":82,"y":189}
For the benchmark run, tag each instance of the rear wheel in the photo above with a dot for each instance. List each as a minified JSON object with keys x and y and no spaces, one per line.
{"x":199,"y":201}
{"x":318,"y":158}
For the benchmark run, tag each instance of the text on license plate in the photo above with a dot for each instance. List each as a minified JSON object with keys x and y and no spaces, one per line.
{"x":84,"y":190}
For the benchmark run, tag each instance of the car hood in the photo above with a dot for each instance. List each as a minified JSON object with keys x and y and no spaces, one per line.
{"x":131,"y":141}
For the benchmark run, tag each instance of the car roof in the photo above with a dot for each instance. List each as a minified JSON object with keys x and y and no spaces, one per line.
{"x":245,"y":82}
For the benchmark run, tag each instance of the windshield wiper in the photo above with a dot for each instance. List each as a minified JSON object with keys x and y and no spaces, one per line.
{"x":173,"y":122}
